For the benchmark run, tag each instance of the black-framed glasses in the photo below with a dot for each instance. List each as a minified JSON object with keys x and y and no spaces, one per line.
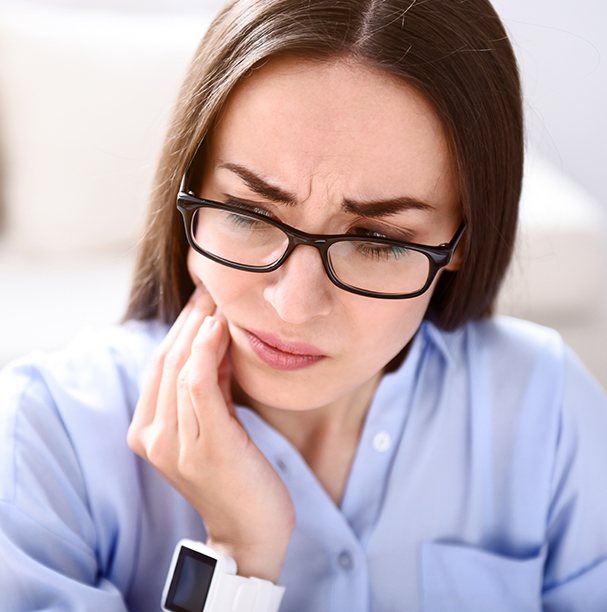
{"x":373,"y":266}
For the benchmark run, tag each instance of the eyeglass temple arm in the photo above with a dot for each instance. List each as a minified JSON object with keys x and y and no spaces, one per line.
{"x":184,"y":185}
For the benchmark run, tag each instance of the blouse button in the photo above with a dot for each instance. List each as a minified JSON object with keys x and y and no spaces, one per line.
{"x":345,"y":561}
{"x":382,"y":441}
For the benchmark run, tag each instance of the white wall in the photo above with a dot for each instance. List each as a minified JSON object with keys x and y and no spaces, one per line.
{"x":562,"y":50}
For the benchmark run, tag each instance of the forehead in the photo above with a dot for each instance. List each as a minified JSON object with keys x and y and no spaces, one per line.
{"x":339,"y":122}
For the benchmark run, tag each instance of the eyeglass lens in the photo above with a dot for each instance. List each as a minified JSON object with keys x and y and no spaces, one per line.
{"x":364,"y":264}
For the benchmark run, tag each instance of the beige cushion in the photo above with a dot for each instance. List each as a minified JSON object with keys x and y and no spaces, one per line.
{"x":84,"y":102}
{"x":558,"y":266}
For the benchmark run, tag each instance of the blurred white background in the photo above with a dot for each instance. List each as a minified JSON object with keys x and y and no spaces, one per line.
{"x":86,"y":88}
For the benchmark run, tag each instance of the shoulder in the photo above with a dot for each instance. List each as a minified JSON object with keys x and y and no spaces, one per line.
{"x":519,"y":367}
{"x":68,"y":481}
{"x":504,"y":349}
{"x":69,"y":403}
{"x":93,"y":356}
{"x":500,"y":338}
{"x":532,"y":351}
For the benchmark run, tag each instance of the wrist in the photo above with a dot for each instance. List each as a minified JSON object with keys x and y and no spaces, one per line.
{"x":263,"y":561}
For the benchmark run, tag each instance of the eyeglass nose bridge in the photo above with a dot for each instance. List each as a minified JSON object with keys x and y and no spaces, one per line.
{"x":319,"y":243}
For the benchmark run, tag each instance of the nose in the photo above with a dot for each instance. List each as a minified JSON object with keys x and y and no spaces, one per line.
{"x":300,"y":289}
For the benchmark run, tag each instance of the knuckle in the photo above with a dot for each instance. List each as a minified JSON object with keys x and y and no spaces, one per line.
{"x":199,"y":384}
{"x":193,"y":381}
{"x":157,"y":449}
{"x":183,"y":382}
{"x":133,"y":440}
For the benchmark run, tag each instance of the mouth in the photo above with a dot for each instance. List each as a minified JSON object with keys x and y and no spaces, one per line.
{"x":282,"y":355}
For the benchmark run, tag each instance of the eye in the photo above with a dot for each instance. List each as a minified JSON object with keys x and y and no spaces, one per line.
{"x":243,"y":222}
{"x":396,"y":234}
{"x":380,"y":252}
{"x":247,"y":206}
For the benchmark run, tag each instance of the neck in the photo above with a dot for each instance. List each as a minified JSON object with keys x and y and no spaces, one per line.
{"x":310,"y":430}
{"x":326,"y":437}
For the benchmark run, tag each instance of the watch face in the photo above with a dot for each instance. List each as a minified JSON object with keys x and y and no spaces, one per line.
{"x":191,"y":581}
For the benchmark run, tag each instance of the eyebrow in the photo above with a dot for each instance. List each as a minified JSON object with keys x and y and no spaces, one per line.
{"x":371,"y":209}
{"x":385,"y":208}
{"x":260,"y":186}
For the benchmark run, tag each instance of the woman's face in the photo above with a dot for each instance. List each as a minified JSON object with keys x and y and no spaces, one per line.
{"x":323,"y":133}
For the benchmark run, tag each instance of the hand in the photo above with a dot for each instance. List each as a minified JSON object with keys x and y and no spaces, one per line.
{"x":185,"y":426}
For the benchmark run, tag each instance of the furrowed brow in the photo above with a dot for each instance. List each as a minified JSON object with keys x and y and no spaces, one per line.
{"x":260,"y":186}
{"x":385,"y":208}
{"x":370,"y":209}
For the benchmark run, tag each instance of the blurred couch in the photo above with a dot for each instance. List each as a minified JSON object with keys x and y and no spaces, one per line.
{"x":85,"y":96}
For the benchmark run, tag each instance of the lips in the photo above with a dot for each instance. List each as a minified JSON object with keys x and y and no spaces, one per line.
{"x":294,"y":348}
{"x":282,"y":355}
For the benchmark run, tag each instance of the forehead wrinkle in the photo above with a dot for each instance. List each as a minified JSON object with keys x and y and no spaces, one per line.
{"x":327,"y":182}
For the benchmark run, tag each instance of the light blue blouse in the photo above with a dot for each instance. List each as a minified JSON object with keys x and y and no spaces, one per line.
{"x":479,"y":484}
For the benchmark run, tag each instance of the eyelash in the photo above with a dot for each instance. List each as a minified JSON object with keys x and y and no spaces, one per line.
{"x":356,"y":228}
{"x":250,"y":207}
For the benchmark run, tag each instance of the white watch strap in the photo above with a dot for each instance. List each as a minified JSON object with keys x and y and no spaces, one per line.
{"x":240,"y":594}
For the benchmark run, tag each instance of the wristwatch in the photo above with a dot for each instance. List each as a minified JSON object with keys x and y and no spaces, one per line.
{"x":201,"y":579}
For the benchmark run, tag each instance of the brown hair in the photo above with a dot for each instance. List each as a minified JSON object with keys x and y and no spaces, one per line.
{"x":456,"y":53}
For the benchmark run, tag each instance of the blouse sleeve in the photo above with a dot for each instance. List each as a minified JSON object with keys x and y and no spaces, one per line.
{"x":48,"y":551}
{"x":575,"y":574}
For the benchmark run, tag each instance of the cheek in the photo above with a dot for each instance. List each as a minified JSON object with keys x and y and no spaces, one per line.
{"x":391,"y":327}
{"x":199,"y":269}
{"x":225,"y":285}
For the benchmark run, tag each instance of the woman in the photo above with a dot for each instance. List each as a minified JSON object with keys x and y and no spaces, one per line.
{"x":310,"y":379}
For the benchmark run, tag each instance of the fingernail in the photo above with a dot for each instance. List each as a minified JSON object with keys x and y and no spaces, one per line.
{"x":209,"y":324}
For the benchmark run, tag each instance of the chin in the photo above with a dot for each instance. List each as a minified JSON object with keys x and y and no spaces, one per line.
{"x":281,"y":390}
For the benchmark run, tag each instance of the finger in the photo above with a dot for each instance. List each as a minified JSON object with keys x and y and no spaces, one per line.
{"x":202,"y":386}
{"x":224,"y":374}
{"x":223,"y":334}
{"x":225,"y":383}
{"x":213,"y":337}
{"x":145,"y":410}
{"x":187,"y":421}
{"x":191,"y":383}
{"x":175,"y":353}
{"x":200,"y":298}
{"x":208,"y":350}
{"x":174,"y":360}
{"x":204,"y":301}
